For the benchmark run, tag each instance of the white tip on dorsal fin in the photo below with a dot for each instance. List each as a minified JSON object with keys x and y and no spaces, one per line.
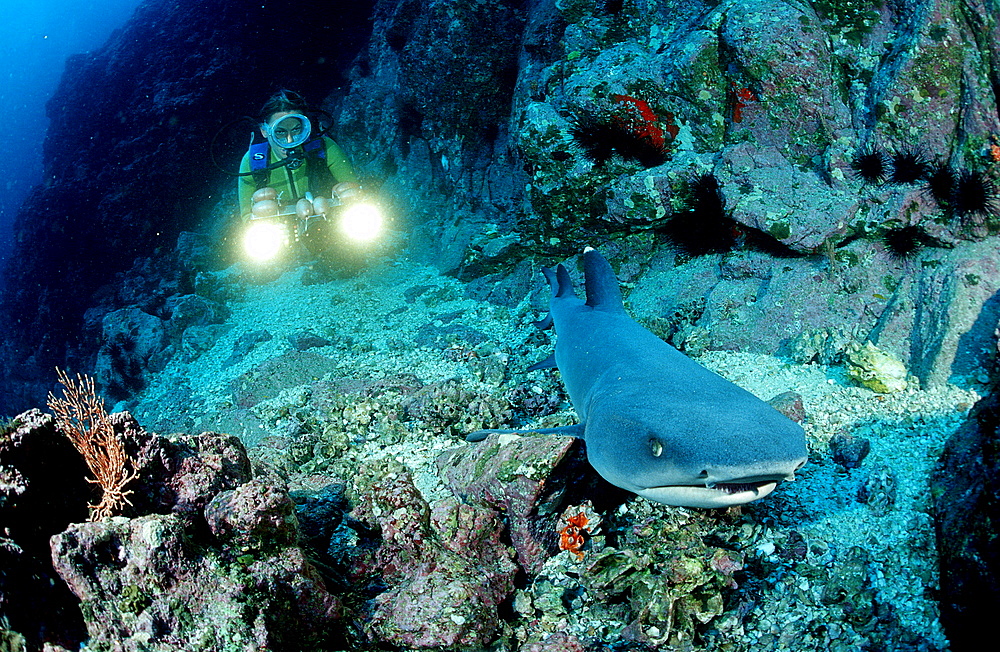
{"x":587,"y":248}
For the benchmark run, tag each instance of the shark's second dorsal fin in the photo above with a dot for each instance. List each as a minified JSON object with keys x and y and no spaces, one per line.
{"x":559,"y":281}
{"x":565,"y":284}
{"x":602,"y":285}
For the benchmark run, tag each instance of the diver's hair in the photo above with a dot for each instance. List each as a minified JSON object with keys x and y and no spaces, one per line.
{"x":283,"y":100}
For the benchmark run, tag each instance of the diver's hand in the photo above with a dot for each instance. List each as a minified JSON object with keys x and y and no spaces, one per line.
{"x":347,"y":190}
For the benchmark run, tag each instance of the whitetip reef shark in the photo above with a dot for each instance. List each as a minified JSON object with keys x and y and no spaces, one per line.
{"x":653,"y":421}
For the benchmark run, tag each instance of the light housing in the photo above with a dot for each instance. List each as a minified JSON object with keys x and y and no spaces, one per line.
{"x":361,"y":222}
{"x":264,"y":240}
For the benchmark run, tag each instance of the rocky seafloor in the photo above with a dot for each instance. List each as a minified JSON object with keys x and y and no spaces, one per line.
{"x":352,"y":396}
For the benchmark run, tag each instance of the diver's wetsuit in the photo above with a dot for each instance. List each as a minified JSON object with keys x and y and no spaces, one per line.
{"x":336,"y":162}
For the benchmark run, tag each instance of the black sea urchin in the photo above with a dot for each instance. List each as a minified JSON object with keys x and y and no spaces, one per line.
{"x":641,"y":150}
{"x":600,"y":138}
{"x":871,"y":164}
{"x":704,"y":227}
{"x":975,"y":195}
{"x":906,"y":241}
{"x":595,"y":137}
{"x":909,"y":166}
{"x":941,"y":181}
{"x":706,"y":195}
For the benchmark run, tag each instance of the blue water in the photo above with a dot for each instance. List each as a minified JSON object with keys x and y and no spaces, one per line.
{"x":35,"y":39}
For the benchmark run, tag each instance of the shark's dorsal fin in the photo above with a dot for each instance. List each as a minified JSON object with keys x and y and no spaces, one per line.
{"x":602,"y":286}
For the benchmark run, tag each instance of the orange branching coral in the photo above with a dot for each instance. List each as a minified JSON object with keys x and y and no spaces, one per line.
{"x":572,"y":536}
{"x":80,"y":415}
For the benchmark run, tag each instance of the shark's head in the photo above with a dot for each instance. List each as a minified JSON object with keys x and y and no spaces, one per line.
{"x":718,"y":461}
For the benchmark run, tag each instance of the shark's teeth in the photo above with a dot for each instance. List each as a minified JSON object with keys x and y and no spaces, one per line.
{"x":737,"y":488}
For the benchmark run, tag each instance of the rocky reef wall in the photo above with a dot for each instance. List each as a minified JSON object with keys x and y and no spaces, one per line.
{"x":755,"y":226}
{"x":776,"y":105}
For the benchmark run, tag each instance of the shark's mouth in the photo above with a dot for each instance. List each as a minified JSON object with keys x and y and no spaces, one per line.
{"x":739,"y":487}
{"x":718,"y":495}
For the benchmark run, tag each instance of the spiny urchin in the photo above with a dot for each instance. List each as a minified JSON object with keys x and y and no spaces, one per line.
{"x":595,"y":137}
{"x":907,"y":241}
{"x":975,"y":195}
{"x":969,"y":195}
{"x":704,"y":227}
{"x":941,"y":180}
{"x":871,"y":164}
{"x":600,"y":137}
{"x":909,"y":165}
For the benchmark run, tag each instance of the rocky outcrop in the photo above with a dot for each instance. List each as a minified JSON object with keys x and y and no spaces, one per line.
{"x":33,"y":507}
{"x":207,"y":550}
{"x":516,"y":476}
{"x":965,"y":487}
{"x":445,"y":564}
{"x":428,"y":113}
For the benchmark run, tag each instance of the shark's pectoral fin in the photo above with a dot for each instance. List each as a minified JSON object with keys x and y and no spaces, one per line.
{"x":547,"y":363}
{"x":543,"y":324}
{"x":576,"y":430}
{"x":480,"y":435}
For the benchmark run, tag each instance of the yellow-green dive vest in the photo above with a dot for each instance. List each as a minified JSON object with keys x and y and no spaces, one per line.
{"x":292,"y":185}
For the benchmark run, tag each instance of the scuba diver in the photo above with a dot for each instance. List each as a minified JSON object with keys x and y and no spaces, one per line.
{"x":296,"y":184}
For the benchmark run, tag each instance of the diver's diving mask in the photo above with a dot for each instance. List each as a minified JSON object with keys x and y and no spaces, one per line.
{"x":288,"y":131}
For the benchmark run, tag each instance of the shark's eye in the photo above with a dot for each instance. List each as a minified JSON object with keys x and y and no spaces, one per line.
{"x":655,"y":447}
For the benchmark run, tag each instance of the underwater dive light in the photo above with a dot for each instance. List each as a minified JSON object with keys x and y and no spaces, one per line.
{"x":264,"y":240}
{"x":361,"y":222}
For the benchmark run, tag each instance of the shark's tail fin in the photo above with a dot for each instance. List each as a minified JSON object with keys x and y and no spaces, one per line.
{"x":602,"y":285}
